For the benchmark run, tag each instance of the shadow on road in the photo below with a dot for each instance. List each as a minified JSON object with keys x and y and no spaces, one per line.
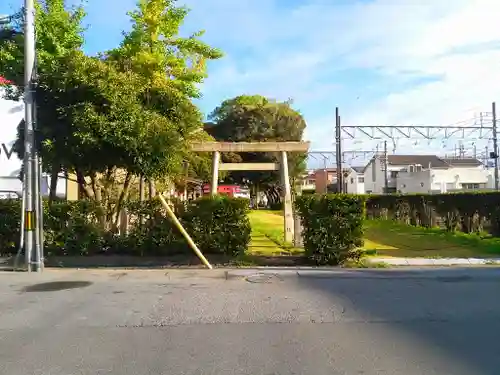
{"x":56,"y":286}
{"x":455,"y":311}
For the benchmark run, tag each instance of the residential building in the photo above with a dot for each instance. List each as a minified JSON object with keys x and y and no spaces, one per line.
{"x":355,"y":181}
{"x":425,"y":174}
{"x":308,"y":181}
{"x":326,"y":180}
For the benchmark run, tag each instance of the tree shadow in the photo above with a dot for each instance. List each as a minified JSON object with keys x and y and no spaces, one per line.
{"x":456,"y":310}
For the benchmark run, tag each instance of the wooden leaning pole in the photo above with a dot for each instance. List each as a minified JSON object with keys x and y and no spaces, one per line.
{"x":184,"y":232}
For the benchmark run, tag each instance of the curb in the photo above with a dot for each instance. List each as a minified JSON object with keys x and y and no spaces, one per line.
{"x":434,"y":262}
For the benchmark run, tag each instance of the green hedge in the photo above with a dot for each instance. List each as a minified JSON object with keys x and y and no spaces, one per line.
{"x":467,"y":212}
{"x":218,"y":225}
{"x":332,"y":226}
{"x":10,"y":219}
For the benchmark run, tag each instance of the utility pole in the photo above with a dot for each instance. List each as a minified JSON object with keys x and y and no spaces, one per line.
{"x":29,"y":144}
{"x":37,"y":180}
{"x":495,"y":142}
{"x":386,"y":178}
{"x":338,"y":151}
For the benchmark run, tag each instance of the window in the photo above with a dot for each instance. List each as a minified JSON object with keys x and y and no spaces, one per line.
{"x":352,"y":180}
{"x":470,"y":186}
{"x":361,"y":180}
{"x":394,"y":174}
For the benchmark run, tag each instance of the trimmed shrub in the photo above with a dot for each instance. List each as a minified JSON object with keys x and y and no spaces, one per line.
{"x":71,"y":228}
{"x":156,"y":236}
{"x":332,"y":226}
{"x":219,"y":224}
{"x":10,"y":222}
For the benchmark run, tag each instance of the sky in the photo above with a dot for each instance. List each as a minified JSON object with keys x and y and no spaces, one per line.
{"x":382,"y":62}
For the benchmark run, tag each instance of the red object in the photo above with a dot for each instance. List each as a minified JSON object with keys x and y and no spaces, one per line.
{"x":4,"y":81}
{"x":223,"y":189}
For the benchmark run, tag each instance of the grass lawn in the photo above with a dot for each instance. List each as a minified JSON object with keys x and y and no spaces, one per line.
{"x":389,"y":239}
{"x":382,"y":238}
{"x":268,"y":234}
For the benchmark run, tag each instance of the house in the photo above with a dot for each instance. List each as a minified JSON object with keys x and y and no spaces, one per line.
{"x":425,"y":174}
{"x":355,"y":181}
{"x":308,"y":182}
{"x":326,"y":180}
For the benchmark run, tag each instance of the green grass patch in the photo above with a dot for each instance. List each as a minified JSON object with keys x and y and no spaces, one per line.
{"x":382,"y":238}
{"x":268,"y":234}
{"x":389,"y":238}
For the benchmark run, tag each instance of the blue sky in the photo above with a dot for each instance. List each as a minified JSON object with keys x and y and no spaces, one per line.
{"x":381,"y":61}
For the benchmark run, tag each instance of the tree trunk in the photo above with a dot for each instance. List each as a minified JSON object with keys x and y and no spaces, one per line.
{"x":152,"y":189}
{"x":53,"y":183}
{"x":141,"y":189}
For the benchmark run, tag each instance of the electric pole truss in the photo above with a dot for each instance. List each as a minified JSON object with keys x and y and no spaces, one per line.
{"x":417,"y":131}
{"x":348,"y":154}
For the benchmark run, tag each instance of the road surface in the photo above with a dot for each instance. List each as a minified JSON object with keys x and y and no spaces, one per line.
{"x":443,"y":322}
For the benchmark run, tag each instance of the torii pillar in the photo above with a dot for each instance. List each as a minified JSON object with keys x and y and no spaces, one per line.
{"x":287,"y":199}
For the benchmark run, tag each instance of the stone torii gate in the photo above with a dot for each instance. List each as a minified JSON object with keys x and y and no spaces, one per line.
{"x":280,"y":147}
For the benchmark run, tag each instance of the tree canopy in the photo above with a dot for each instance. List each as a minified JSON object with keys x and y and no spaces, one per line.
{"x":256,"y":118}
{"x":125,"y":113}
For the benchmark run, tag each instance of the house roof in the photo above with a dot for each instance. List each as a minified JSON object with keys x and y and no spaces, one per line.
{"x":359,"y":169}
{"x":423,"y":160}
{"x":463,"y":162}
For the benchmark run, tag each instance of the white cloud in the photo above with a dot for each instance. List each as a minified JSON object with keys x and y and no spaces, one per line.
{"x":301,"y":52}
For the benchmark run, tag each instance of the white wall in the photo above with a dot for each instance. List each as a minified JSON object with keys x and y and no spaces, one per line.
{"x":461,"y":175}
{"x":442,"y":180}
{"x":375,"y":179}
{"x":11,"y":113}
{"x":354,"y":182}
{"x":415,"y":182}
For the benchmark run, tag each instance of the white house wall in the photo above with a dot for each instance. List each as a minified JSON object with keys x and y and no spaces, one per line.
{"x":454,"y":177}
{"x":353,"y":183}
{"x":374,"y":176}
{"x":415,"y":182}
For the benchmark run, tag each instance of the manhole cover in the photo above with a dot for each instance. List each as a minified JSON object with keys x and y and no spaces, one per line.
{"x":56,"y":286}
{"x":260,"y":278}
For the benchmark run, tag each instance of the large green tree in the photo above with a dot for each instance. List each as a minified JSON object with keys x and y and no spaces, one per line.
{"x":168,"y":62}
{"x":110,"y":118}
{"x":248,"y":118}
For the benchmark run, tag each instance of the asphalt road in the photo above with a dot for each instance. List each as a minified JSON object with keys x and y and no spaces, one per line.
{"x":444,"y":322}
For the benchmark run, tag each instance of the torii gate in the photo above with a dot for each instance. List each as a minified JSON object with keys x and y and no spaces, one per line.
{"x":281,"y":147}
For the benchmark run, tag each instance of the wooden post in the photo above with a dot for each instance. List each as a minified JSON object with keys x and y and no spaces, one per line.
{"x":186,"y":235}
{"x":287,"y":199}
{"x":124,"y":224}
{"x":298,"y":240}
{"x":215,"y":173}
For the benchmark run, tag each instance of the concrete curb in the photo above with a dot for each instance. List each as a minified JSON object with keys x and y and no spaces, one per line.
{"x":434,"y":261}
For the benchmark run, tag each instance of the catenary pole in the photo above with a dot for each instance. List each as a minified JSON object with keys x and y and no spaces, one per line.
{"x":495,"y":142}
